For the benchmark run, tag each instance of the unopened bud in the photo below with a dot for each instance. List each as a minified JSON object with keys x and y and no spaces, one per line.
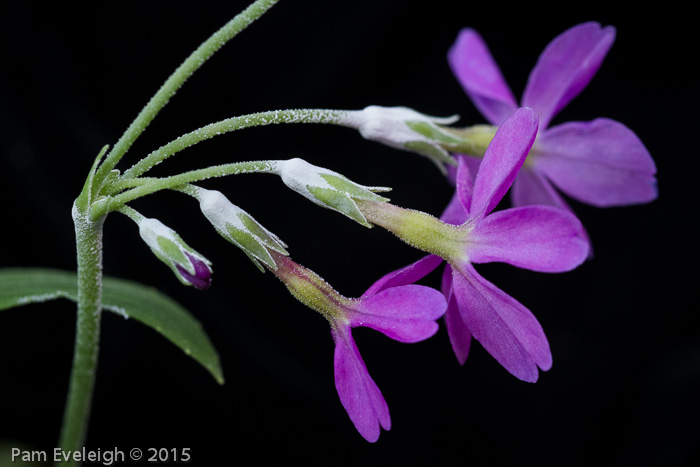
{"x":404,"y":128}
{"x":239,"y":228}
{"x":327,"y":188}
{"x":190,"y":267}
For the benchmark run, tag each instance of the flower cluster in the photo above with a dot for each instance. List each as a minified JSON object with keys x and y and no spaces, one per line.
{"x":602,"y":163}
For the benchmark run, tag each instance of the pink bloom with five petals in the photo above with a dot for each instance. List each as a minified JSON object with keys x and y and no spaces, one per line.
{"x":540,"y":238}
{"x":405,"y":314}
{"x":601,"y":162}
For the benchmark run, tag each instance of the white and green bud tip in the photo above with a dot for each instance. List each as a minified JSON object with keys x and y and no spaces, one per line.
{"x":239,"y":227}
{"x":189,"y":266}
{"x":404,"y":128}
{"x":326,"y":188}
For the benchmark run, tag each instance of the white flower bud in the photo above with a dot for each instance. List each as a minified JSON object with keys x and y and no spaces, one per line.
{"x":189,"y":266}
{"x":239,"y":228}
{"x":404,"y":128}
{"x":326,"y":188}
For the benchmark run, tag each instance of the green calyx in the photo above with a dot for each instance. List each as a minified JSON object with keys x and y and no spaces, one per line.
{"x":255,"y":241}
{"x":432,"y":132}
{"x":352,"y":189}
{"x":342,"y":195}
{"x":472,"y":140}
{"x":172,"y":255}
{"x":172,"y":252}
{"x":437,"y":144}
{"x":167,"y":245}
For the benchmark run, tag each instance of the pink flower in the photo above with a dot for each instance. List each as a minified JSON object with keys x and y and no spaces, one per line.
{"x":601,"y":162}
{"x":540,"y":238}
{"x":405,"y":314}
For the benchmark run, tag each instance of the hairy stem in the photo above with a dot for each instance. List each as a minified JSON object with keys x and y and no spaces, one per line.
{"x":147,"y":186}
{"x":178,"y":78}
{"x":229,"y":125}
{"x":82,"y":381}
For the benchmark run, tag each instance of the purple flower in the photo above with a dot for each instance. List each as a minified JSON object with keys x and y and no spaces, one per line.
{"x":601,"y":162}
{"x":540,"y":238}
{"x":405,"y":314}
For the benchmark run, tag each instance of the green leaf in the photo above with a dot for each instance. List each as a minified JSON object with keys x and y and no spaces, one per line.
{"x":128,"y":299}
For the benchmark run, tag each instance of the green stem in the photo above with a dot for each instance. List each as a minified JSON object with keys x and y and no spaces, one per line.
{"x":147,"y":186}
{"x":131,"y":213}
{"x":178,"y":78}
{"x":232,"y":124}
{"x":77,"y":412}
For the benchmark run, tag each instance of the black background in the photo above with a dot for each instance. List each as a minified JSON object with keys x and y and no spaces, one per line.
{"x":623,"y":328}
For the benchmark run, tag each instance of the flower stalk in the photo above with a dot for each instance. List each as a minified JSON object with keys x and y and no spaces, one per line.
{"x":228,"y":125}
{"x":178,"y":78}
{"x":89,"y":212}
{"x":82,"y":381}
{"x":145,"y":186}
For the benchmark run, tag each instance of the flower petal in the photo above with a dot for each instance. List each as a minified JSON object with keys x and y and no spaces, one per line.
{"x":201,"y":279}
{"x":540,"y":238}
{"x":457,"y":210}
{"x":502,"y":160}
{"x":405,"y":314}
{"x":601,"y":162}
{"x":464,"y":185}
{"x":472,"y":164}
{"x":454,"y":213}
{"x":457,"y":330}
{"x":566,"y":67}
{"x":477,"y":72}
{"x":406,"y":275}
{"x":358,"y":393}
{"x":532,"y":188}
{"x":504,"y":327}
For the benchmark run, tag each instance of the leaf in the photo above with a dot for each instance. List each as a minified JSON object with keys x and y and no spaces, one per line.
{"x":128,"y":299}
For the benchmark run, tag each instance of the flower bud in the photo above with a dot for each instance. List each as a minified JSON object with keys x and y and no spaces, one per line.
{"x":326,"y":188}
{"x":239,"y":228}
{"x":190,"y":267}
{"x":404,"y":128}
